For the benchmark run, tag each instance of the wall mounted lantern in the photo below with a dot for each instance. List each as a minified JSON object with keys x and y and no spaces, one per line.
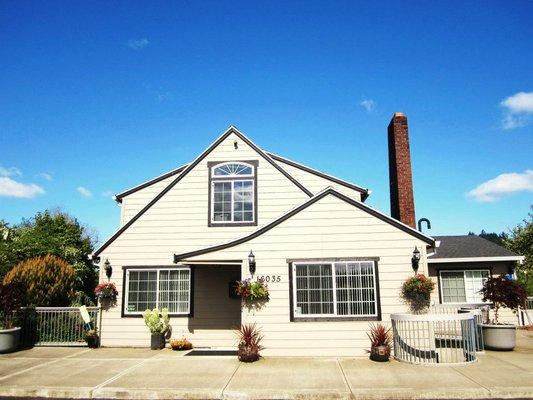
{"x":108,"y":269}
{"x":251,"y":263}
{"x":415,"y":260}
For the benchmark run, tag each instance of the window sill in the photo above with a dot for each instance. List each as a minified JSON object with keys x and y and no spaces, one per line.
{"x":188,"y":315}
{"x":334,"y":319}
{"x":228,"y":224}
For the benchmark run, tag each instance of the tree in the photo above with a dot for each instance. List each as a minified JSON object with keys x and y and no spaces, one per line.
{"x":520,"y":241}
{"x":55,"y":233}
{"x":498,"y":238}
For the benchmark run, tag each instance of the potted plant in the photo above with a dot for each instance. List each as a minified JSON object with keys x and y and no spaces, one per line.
{"x":251,"y":291}
{"x":501,"y":292}
{"x":249,"y":343}
{"x":159,"y":323}
{"x":180,"y":344}
{"x":380,"y":342}
{"x":416,"y":292}
{"x":92,"y":339}
{"x":11,"y":299}
{"x":107,"y":293}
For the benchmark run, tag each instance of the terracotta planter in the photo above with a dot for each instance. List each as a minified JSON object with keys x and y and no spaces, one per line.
{"x":499,"y":337}
{"x":380,"y":353}
{"x":247,"y":354}
{"x":157,"y":341}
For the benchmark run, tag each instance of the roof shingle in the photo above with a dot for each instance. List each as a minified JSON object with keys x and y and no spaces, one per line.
{"x":466,"y":246}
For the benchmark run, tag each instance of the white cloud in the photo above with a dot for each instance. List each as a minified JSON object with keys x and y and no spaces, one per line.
{"x":12,"y":188}
{"x":138,"y":44}
{"x":84,"y":191}
{"x":518,"y":110}
{"x":45,"y":176}
{"x":503,"y":184}
{"x":10,"y":171}
{"x":368,"y":105}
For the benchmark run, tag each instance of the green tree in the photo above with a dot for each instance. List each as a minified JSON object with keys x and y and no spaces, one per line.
{"x":50,"y":232}
{"x":498,"y":238}
{"x":520,"y":241}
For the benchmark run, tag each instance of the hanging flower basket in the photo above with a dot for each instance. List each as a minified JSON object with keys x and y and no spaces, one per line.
{"x":107,"y":293}
{"x":416,"y":292}
{"x":251,"y":291}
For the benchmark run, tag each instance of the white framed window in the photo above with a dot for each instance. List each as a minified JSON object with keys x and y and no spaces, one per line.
{"x":462,"y":286}
{"x":157,"y":288}
{"x":334,"y":289}
{"x":232,"y":193}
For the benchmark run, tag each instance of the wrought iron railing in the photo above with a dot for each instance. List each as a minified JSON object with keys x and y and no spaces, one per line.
{"x":56,"y":326}
{"x":435,"y":338}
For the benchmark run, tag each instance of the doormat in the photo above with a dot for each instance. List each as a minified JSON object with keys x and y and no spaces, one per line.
{"x":211,"y":353}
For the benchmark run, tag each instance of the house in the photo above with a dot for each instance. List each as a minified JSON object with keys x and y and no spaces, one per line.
{"x":332,"y":263}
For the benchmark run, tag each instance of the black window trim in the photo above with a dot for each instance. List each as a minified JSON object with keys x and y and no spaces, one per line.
{"x":294,"y":318}
{"x":123,"y":312}
{"x":210,"y":166}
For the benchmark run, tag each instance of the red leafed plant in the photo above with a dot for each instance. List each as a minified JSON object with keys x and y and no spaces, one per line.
{"x":379,"y":335}
{"x":249,"y":343}
{"x":106,"y":291}
{"x":503,"y":292}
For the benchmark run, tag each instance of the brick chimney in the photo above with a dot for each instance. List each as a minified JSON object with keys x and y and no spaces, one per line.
{"x":402,"y":202}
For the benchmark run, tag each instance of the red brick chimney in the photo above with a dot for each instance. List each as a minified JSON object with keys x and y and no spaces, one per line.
{"x":402,"y":202}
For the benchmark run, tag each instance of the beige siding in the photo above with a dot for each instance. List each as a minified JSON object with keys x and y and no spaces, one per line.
{"x":304,"y":236}
{"x":316,"y":183}
{"x":135,"y":202}
{"x":178,"y":223}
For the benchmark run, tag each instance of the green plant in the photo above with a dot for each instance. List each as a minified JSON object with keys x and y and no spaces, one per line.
{"x":12,"y":297}
{"x":157,"y":321}
{"x":49,"y":280}
{"x":252,"y":290}
{"x":249,"y":343}
{"x":416,"y":291}
{"x":502,"y":292}
{"x":106,"y":291}
{"x":379,"y":335}
{"x":90,"y":334}
{"x":180,"y":344}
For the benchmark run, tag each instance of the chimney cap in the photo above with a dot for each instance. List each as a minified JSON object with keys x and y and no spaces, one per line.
{"x":398,"y":114}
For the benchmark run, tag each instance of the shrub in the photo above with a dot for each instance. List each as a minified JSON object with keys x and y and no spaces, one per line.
{"x":49,"y":280}
{"x":252,"y":290}
{"x":416,"y":291}
{"x":502,"y":292}
{"x":157,"y":321}
{"x":249,"y":343}
{"x":379,"y":335}
{"x":12,"y":297}
{"x":180,"y":344}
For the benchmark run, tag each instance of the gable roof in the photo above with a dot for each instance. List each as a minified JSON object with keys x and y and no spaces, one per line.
{"x":364,"y":192}
{"x":470,"y":247}
{"x":121,"y":195}
{"x":189,"y":167}
{"x":286,"y":216}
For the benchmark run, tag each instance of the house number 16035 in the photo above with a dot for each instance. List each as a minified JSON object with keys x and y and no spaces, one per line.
{"x":269,"y":278}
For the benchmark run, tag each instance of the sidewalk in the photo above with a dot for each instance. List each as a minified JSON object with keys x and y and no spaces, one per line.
{"x":113,"y":373}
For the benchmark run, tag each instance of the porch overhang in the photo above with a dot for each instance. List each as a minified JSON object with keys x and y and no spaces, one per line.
{"x":206,"y":262}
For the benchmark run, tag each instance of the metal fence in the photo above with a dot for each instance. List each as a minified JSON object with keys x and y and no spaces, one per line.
{"x":57,"y":326}
{"x":433,"y":339}
{"x":525,"y":315}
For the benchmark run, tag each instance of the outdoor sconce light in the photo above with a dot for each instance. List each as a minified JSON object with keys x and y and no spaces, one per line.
{"x":251,"y":263}
{"x":415,"y":259}
{"x":108,"y":269}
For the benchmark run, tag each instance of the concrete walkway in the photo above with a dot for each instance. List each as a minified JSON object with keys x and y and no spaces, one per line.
{"x":112,"y":373}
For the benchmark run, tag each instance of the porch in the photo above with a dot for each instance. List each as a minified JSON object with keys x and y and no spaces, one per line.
{"x":129,"y":373}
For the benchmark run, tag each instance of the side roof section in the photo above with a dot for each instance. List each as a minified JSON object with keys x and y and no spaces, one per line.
{"x":364,"y":192}
{"x":329,"y":191}
{"x":189,"y":167}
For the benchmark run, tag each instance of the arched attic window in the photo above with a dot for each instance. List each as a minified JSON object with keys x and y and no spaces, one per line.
{"x":233,"y":193}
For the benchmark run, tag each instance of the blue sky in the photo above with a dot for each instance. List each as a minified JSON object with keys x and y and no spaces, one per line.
{"x":96,"y":98}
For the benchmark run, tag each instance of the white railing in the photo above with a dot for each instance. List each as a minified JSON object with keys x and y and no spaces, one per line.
{"x":432,"y":339}
{"x":525,"y":315}
{"x":57,"y":326}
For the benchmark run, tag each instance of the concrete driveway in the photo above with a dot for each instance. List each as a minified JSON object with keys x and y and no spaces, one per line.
{"x":125,"y":373}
